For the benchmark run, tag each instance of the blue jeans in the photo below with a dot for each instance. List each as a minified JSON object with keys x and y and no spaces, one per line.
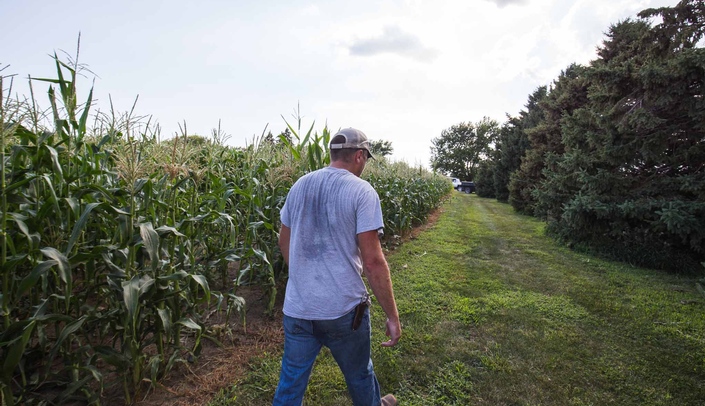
{"x":303,"y":340}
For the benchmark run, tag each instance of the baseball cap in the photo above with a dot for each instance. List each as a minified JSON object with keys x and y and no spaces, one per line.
{"x":354,"y":139}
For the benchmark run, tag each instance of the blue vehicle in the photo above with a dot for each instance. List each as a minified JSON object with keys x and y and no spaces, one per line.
{"x":466,"y":187}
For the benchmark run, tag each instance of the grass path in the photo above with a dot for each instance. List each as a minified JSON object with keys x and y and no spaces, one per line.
{"x":495,"y":313}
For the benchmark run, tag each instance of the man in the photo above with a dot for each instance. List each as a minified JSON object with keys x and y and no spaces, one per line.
{"x":331,"y":223}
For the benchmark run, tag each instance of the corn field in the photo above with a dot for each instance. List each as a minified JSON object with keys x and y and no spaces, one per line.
{"x":116,"y":245}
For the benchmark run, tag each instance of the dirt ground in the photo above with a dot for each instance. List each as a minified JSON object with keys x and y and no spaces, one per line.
{"x":217,"y":366}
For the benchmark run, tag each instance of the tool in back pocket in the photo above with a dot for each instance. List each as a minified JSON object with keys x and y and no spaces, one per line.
{"x":360,"y":311}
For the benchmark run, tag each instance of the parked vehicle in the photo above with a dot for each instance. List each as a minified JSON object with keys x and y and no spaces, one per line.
{"x":466,"y":187}
{"x":456,"y":182}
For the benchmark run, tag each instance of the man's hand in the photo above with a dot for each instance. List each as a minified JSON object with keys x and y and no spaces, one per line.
{"x":393,"y":332}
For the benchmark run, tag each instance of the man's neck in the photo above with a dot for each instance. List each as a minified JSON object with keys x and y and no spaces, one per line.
{"x":350,"y":167}
{"x":340,"y":165}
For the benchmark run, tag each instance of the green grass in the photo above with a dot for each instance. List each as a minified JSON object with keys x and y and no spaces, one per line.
{"x":496,"y":313}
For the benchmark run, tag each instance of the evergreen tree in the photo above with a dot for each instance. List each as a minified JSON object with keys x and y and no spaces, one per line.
{"x":631,"y":178}
{"x":511,"y":145}
{"x":543,"y":130}
{"x":568,"y":96}
{"x":516,"y":150}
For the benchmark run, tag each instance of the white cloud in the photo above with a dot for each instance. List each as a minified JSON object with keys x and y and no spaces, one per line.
{"x":310,"y":11}
{"x":393,"y":40}
{"x":503,"y":3}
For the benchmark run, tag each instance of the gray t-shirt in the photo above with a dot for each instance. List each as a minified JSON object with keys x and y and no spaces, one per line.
{"x":325,"y":211}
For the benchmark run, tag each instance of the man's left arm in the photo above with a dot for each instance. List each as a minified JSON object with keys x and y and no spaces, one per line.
{"x":377,"y":272}
{"x":284,"y":238}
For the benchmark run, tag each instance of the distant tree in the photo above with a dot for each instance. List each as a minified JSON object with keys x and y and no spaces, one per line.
{"x":460,"y":148}
{"x":196,"y":140}
{"x":484,"y":180}
{"x":381,"y":148}
{"x":511,"y":144}
{"x":269,"y":138}
{"x":284,"y":136}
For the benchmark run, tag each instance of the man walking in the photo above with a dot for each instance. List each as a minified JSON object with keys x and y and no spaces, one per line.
{"x":331,"y":223}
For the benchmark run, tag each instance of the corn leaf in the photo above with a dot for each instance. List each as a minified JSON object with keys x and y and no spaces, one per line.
{"x":151,"y":242}
{"x":111,"y":265}
{"x":48,"y":80}
{"x":19,"y":220}
{"x":131,"y":298}
{"x":84,"y":116}
{"x":112,"y":357}
{"x":80,"y":225}
{"x":176,"y":276}
{"x":201,"y":280}
{"x":70,"y":390}
{"x":294,"y":152}
{"x":154,"y":363}
{"x":54,"y":200}
{"x":232,"y":257}
{"x":165,"y":316}
{"x":189,"y":324}
{"x":146,"y":283}
{"x":55,"y":160}
{"x":14,"y":354}
{"x":68,"y":330}
{"x":62,"y":263}
{"x":169,"y":230}
{"x":261,"y":255}
{"x":31,"y":279}
{"x":308,"y":134}
{"x":20,"y":183}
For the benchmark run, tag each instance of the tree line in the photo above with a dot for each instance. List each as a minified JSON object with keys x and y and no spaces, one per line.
{"x":611,"y":155}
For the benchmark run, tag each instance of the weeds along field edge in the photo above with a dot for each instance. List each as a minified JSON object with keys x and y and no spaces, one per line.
{"x":116,"y":246}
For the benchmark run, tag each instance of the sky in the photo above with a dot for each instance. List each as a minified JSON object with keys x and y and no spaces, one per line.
{"x":399,"y":70}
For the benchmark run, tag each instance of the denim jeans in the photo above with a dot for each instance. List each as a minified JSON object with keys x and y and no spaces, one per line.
{"x":303,"y":340}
